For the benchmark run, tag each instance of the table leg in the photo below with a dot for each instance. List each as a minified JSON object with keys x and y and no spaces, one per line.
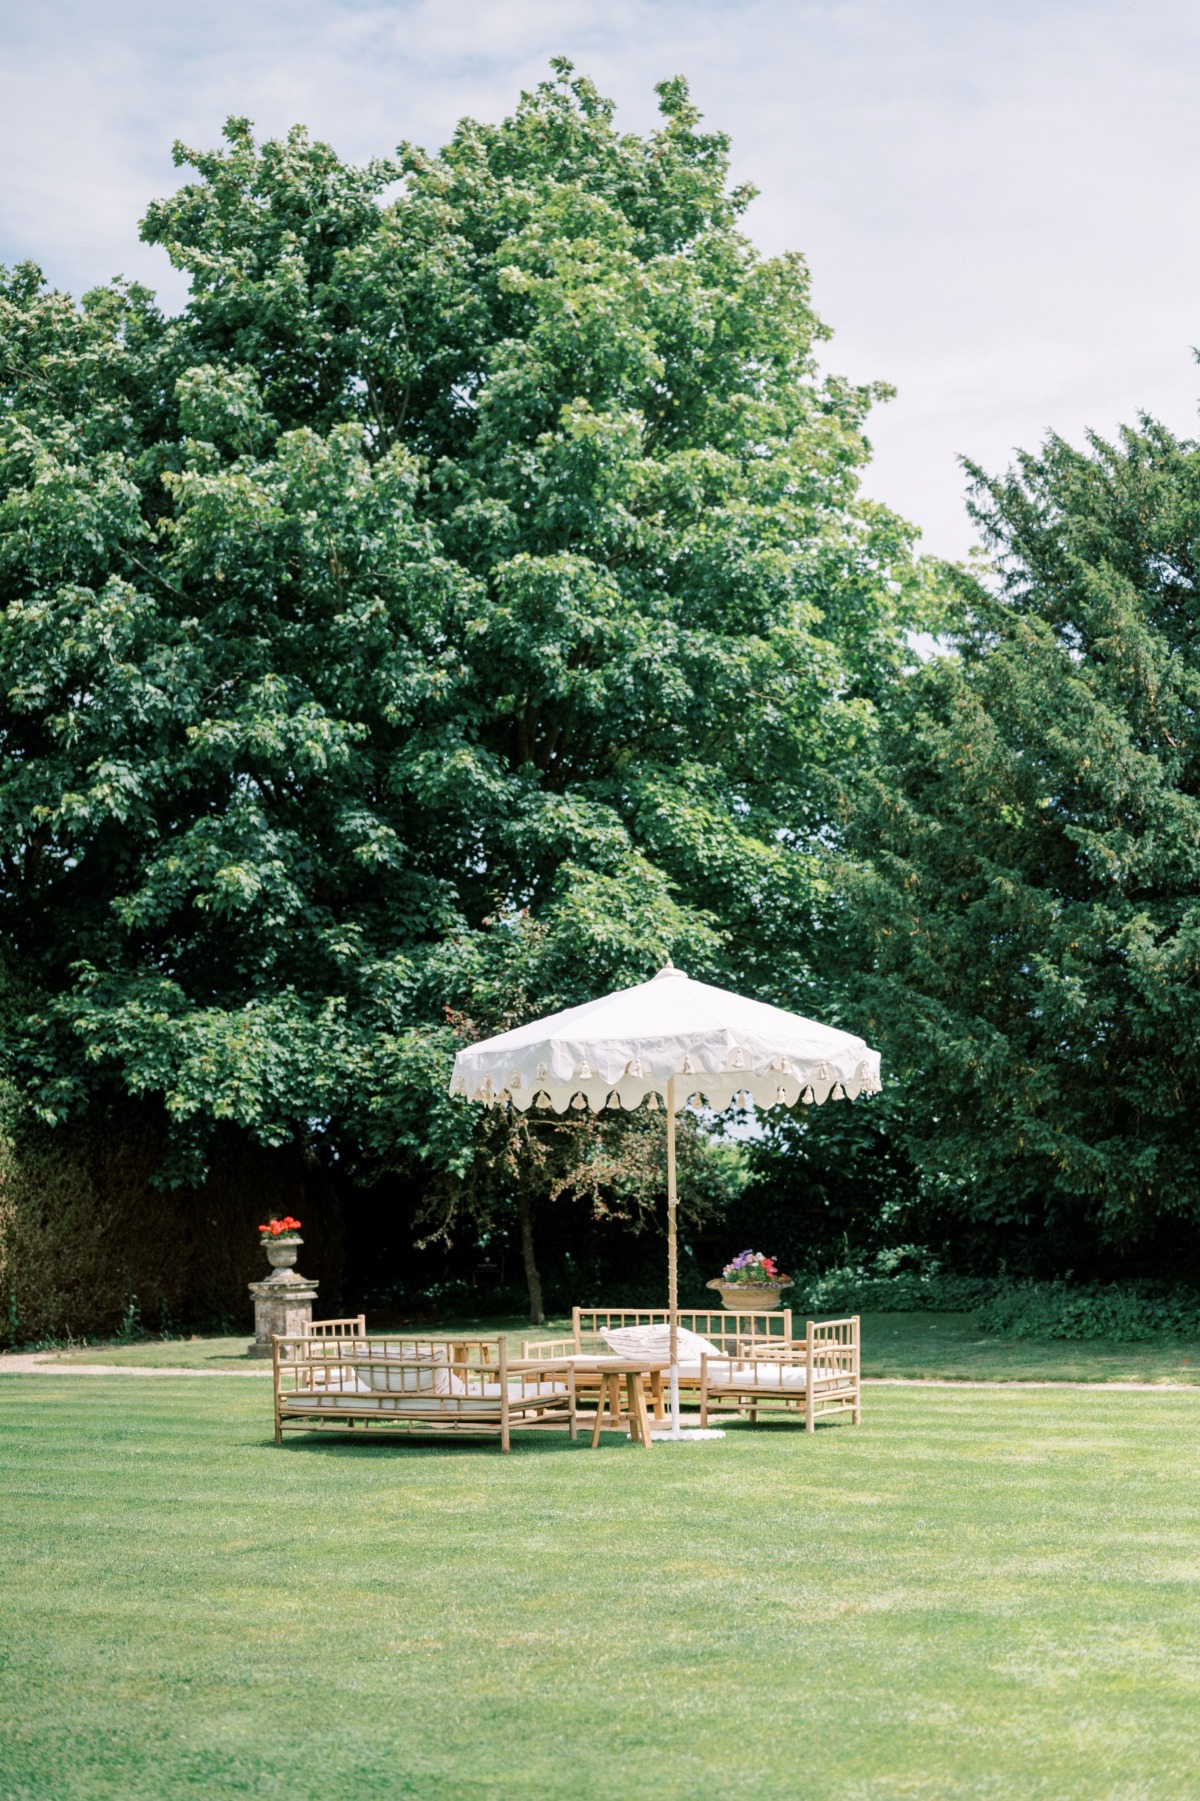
{"x":600,"y":1397}
{"x":609,"y":1402}
{"x":656,"y":1394}
{"x":639,"y":1421}
{"x":644,"y":1416}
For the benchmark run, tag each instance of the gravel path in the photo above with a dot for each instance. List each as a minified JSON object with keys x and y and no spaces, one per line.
{"x":42,"y":1363}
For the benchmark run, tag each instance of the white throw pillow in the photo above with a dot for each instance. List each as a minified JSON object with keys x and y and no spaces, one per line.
{"x":405,"y":1369}
{"x":339,"y":1380}
{"x":655,"y":1341}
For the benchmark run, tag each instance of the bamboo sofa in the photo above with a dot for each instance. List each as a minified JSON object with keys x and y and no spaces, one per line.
{"x":340,"y":1379}
{"x":818,"y":1376}
{"x":739,"y":1361}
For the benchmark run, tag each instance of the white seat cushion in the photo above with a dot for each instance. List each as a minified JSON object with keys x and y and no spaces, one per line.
{"x":719,"y":1370}
{"x":723,"y":1373}
{"x":445,"y":1407}
{"x":484,"y":1399}
{"x":772,"y":1375}
{"x":521,"y":1391}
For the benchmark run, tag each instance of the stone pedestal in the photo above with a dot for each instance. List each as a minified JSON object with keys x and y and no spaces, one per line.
{"x":283,"y":1304}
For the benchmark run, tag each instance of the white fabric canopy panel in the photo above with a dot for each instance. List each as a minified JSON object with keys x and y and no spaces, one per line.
{"x":617,"y":1050}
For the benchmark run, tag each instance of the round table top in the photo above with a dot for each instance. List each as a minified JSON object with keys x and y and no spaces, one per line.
{"x":609,"y":1362}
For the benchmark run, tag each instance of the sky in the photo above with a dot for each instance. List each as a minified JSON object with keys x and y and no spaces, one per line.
{"x":997,"y":199}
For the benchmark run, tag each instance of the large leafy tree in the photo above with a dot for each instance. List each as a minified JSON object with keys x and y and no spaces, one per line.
{"x":457,"y":605}
{"x":1029,"y":870}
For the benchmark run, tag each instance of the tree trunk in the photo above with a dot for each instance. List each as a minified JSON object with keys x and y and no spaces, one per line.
{"x":533,"y":1281}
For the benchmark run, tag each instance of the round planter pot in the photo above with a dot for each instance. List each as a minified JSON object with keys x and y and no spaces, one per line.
{"x":749,"y":1297}
{"x":282,"y":1252}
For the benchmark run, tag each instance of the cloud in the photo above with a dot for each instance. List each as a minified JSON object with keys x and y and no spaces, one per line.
{"x":995,"y":199}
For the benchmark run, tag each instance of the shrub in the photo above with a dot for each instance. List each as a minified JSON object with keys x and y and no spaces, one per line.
{"x":92,"y":1245}
{"x":907,"y":1280}
{"x":1128,"y":1311}
{"x":898,"y":1281}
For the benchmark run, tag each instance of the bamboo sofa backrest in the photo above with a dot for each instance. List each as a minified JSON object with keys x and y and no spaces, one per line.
{"x":355,"y":1327}
{"x":354,"y":1364}
{"x":725,"y":1329}
{"x":835,"y":1343}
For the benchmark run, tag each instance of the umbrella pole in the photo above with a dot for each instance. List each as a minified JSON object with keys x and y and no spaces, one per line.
{"x":672,"y":1259}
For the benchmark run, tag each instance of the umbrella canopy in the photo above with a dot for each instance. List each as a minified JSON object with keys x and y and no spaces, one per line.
{"x":671,"y":1038}
{"x":624,"y":1046}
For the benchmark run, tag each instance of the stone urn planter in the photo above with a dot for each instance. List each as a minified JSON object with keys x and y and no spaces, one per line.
{"x":282,"y":1252}
{"x":749,"y":1297}
{"x":283,"y":1303}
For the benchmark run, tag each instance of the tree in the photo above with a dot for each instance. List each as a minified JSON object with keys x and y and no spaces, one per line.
{"x":456,"y":606}
{"x":1028,"y":870}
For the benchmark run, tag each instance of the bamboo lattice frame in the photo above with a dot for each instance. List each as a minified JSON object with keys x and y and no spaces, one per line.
{"x":719,"y":1325}
{"x":729,"y":1330}
{"x":354,"y":1327}
{"x":733,"y":1332}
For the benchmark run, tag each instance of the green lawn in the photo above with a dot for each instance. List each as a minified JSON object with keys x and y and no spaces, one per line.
{"x":894,"y":1344}
{"x":951,"y":1345}
{"x":986,"y":1593}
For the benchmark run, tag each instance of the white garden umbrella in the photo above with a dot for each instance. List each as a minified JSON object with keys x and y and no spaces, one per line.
{"x":668,"y":1039}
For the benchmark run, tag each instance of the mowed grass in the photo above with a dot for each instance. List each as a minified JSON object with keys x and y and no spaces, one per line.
{"x":949,"y":1346}
{"x":978,"y":1593}
{"x":946,"y":1345}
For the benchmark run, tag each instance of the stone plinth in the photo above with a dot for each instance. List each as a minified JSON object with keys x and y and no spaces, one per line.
{"x":282,"y":1304}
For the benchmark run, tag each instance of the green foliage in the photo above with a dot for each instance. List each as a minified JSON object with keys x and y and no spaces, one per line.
{"x":85,"y":1228}
{"x":898,"y":1281}
{"x":1124,"y":1312}
{"x":458,"y":606}
{"x":1028,"y":862}
{"x":907,"y":1281}
{"x":825,"y":1186}
{"x":130,"y":1328}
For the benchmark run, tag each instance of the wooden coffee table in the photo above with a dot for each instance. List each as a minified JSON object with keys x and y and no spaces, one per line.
{"x":633,"y":1371}
{"x":611,"y":1371}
